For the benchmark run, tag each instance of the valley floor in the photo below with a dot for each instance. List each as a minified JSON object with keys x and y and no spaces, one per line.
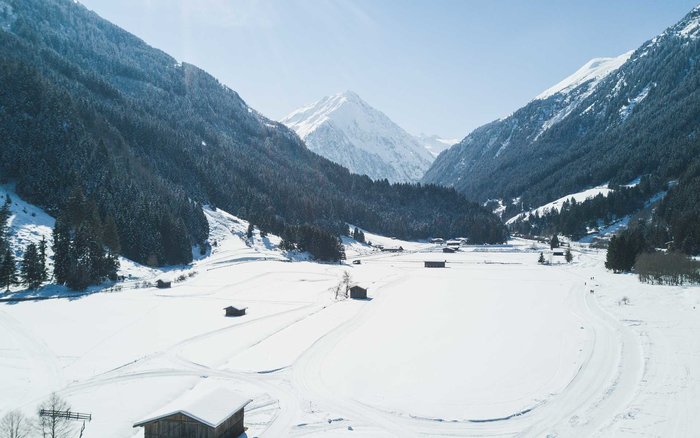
{"x":492,"y":345}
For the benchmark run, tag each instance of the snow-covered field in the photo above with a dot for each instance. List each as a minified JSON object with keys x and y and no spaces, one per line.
{"x":492,"y":345}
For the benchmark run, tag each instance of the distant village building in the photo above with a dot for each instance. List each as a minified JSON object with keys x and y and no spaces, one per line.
{"x":357,"y":262}
{"x":234,"y":311}
{"x":358,"y":293}
{"x":454,"y":243}
{"x":218,"y":413}
{"x":437,"y":240}
{"x":449,"y":250}
{"x":160,"y":284}
{"x":393,"y":249}
{"x":435,"y":264}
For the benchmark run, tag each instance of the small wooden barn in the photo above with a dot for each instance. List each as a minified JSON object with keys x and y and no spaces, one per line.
{"x":358,"y":293}
{"x":434,"y":264}
{"x":449,"y":250}
{"x":217,"y":413}
{"x":234,"y":311}
{"x":162,"y":284}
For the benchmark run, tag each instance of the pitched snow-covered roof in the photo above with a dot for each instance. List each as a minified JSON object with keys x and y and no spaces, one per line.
{"x":211,"y":407}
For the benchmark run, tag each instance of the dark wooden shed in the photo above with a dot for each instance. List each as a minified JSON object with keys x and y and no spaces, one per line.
{"x":162,"y":284}
{"x":434,"y":264}
{"x":358,"y":293}
{"x":234,"y":311}
{"x":449,"y":250}
{"x":213,"y":414}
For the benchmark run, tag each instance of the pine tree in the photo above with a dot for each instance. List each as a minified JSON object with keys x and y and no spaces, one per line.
{"x":110,"y":236}
{"x":42,"y":260}
{"x":554,"y":243}
{"x":8,"y":270}
{"x":568,"y":256}
{"x":4,"y":216}
{"x":61,"y":250}
{"x":541,"y":259}
{"x":30,"y":268}
{"x":251,"y":228}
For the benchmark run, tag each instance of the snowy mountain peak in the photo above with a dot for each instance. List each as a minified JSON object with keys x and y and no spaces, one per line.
{"x":435,"y":144}
{"x":346,"y":129}
{"x":594,"y":70}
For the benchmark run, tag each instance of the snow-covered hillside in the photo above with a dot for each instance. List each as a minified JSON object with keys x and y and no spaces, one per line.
{"x":228,"y":244}
{"x":593,"y":71}
{"x":27,"y":223}
{"x":557,"y":204}
{"x":347,"y":130}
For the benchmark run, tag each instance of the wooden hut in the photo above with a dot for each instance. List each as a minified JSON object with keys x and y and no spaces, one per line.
{"x":449,"y":250}
{"x":358,"y":293}
{"x":234,"y":311}
{"x":217,"y":413}
{"x":162,"y":284}
{"x":435,"y":264}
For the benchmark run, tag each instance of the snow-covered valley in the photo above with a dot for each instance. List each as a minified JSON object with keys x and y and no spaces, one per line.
{"x":492,"y":345}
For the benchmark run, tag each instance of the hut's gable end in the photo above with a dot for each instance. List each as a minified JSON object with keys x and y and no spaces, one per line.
{"x":177,"y":425}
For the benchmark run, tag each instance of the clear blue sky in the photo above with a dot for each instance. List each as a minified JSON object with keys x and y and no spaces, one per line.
{"x":435,"y":66}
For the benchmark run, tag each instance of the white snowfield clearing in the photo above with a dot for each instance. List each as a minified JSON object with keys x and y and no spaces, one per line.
{"x":492,"y":345}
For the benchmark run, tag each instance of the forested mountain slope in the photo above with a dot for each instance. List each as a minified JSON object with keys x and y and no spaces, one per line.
{"x":86,"y":105}
{"x":636,"y":116}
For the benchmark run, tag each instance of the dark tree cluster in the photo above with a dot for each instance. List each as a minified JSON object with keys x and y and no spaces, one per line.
{"x":668,"y":268}
{"x":679,"y":214}
{"x":624,"y":248}
{"x":358,"y":235}
{"x":320,"y":243}
{"x":150,"y":140}
{"x":82,"y":255}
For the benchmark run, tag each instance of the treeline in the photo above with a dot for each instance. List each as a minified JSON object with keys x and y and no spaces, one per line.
{"x":670,"y":268}
{"x":574,"y":219}
{"x":87,"y":105}
{"x":635,"y":250}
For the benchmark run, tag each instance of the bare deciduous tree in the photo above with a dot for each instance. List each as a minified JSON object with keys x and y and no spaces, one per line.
{"x":342,"y":289}
{"x":15,"y":425}
{"x":53,"y":425}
